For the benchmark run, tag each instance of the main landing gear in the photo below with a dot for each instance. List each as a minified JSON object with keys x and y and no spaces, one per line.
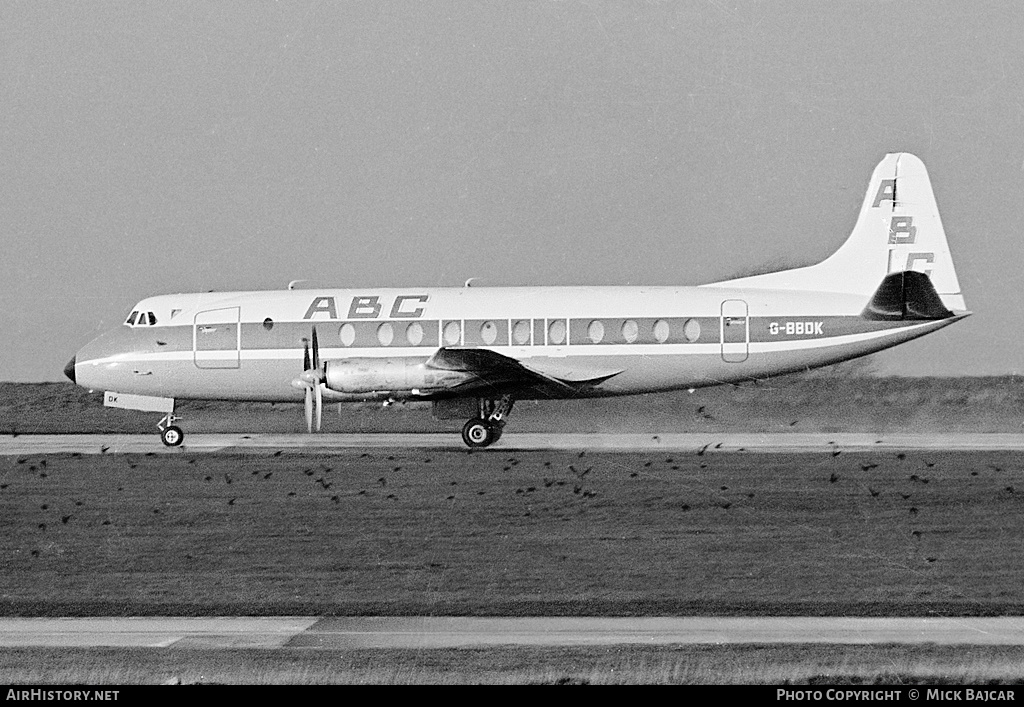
{"x":170,"y":434}
{"x":486,"y":429}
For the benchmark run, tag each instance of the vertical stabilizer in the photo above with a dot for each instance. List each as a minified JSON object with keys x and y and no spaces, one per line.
{"x":898,"y":230}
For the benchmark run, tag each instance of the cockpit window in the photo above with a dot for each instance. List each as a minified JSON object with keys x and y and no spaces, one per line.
{"x":137,"y":318}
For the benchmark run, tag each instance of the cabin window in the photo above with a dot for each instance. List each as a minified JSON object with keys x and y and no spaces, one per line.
{"x":556,"y":332}
{"x":268,"y":323}
{"x":414,"y":333}
{"x":595,"y":331}
{"x":385,"y":334}
{"x":691,"y":330}
{"x":152,"y":318}
{"x":661,"y":331}
{"x":131,"y":318}
{"x":630,"y":331}
{"x":452,"y":333}
{"x":347,"y":334}
{"x":521,"y":332}
{"x":488,"y":332}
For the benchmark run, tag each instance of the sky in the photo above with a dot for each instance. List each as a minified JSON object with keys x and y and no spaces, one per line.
{"x":157,"y":147}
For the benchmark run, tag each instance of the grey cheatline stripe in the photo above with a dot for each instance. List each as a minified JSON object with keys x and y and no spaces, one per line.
{"x":514,"y":351}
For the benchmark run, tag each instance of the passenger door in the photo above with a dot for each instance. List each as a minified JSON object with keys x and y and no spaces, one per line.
{"x":735,"y":331}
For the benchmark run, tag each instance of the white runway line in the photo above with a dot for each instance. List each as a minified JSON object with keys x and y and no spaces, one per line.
{"x":522,"y":441}
{"x":156,"y":632}
{"x":346,"y":633}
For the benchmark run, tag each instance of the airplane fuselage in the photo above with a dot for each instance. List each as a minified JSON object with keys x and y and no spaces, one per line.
{"x":249,"y":345}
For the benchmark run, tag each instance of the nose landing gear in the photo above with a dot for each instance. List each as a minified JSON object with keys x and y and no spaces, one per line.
{"x":170,"y":434}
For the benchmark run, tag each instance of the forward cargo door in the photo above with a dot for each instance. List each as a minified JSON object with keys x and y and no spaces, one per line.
{"x":217,"y":338}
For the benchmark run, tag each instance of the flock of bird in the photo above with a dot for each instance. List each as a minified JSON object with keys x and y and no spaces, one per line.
{"x":571,"y":474}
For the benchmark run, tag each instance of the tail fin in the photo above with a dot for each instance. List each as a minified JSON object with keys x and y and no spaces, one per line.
{"x":898,"y":230}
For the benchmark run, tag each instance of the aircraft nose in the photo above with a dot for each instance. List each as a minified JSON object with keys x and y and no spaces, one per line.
{"x":69,"y":370}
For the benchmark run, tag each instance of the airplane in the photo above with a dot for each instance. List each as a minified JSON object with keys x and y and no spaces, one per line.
{"x":475,"y":351}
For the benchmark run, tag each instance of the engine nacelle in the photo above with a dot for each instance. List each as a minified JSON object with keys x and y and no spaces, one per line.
{"x":372,"y":375}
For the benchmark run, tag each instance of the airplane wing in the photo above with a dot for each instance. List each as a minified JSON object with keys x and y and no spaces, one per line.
{"x":495,"y":371}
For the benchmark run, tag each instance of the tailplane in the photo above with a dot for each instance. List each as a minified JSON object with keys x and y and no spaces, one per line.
{"x":906,"y":296}
{"x":898,"y":230}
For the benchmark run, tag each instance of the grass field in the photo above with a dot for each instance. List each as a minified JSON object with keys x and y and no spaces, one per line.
{"x":636,"y":665}
{"x":531,"y":533}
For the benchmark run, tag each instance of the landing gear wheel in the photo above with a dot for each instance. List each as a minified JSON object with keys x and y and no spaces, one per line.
{"x":478,"y":433}
{"x":172,"y":436}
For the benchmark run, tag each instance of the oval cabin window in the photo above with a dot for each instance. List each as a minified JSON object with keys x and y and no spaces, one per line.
{"x":452,"y":333}
{"x":630,"y":331}
{"x":661,"y":331}
{"x":521,"y":332}
{"x":556,"y":332}
{"x":691,"y":330}
{"x":347,"y":334}
{"x":414,"y":333}
{"x":488,"y":332}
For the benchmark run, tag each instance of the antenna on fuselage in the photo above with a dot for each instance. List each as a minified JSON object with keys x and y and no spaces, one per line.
{"x":469,"y":282}
{"x":293,"y":283}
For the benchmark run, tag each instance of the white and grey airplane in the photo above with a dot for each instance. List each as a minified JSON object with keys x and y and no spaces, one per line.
{"x":475,"y":351}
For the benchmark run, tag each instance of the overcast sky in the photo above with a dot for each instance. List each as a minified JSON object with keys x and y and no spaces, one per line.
{"x":155,"y":147}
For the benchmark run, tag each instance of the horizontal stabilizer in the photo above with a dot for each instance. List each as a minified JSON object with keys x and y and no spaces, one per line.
{"x":907,"y":295}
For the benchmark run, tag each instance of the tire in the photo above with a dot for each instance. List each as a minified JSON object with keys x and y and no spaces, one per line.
{"x":477,"y":433}
{"x":172,"y":436}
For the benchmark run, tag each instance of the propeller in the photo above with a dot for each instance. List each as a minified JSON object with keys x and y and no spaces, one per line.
{"x":311,"y":379}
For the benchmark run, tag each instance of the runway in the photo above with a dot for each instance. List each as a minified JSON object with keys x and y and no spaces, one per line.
{"x":341,"y":633}
{"x":512,"y":441}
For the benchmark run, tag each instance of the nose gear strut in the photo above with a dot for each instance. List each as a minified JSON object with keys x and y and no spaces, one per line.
{"x":170,"y":434}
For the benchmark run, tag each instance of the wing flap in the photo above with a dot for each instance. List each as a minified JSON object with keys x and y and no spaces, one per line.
{"x":572,"y":374}
{"x":497,"y":371}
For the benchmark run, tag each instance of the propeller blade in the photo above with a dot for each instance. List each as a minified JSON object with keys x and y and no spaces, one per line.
{"x":309,"y":409}
{"x":319,"y":405}
{"x":305,"y":354}
{"x":316,"y":352}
